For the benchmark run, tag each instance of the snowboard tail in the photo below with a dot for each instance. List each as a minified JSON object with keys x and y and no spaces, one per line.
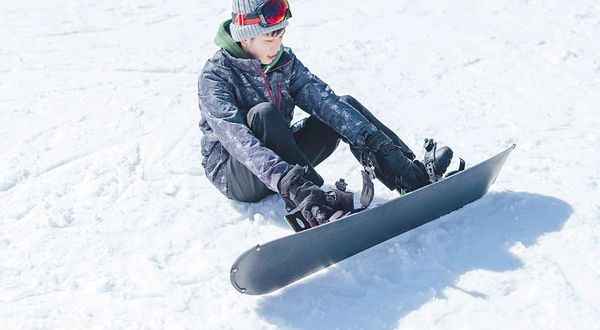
{"x":273,"y":265}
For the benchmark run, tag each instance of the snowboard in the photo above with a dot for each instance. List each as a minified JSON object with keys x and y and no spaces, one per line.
{"x":271,"y":266}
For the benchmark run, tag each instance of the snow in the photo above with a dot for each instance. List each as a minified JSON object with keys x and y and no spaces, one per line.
{"x":107,"y":220}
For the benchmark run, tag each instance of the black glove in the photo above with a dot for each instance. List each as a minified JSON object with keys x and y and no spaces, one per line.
{"x":305,"y":195}
{"x":392,"y":167}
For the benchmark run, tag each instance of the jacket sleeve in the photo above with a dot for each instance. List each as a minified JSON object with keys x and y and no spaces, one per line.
{"x":315,"y":97}
{"x":218,"y":107}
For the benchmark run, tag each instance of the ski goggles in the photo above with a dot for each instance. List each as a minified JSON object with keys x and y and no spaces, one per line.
{"x":269,"y":13}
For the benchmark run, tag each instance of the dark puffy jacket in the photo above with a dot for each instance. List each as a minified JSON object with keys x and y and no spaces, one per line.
{"x":229,"y":87}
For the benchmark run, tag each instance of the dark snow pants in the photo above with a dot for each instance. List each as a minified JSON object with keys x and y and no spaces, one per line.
{"x":307,"y":143}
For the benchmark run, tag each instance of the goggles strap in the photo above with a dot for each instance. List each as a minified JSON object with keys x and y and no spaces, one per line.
{"x":245,"y":19}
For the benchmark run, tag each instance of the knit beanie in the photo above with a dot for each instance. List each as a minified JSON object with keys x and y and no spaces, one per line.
{"x":243,"y":32}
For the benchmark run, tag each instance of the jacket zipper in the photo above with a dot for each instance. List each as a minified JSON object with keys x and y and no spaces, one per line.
{"x":279,"y":99}
{"x":266,"y":83}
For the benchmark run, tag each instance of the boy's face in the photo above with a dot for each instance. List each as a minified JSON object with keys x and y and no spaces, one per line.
{"x":263,"y":47}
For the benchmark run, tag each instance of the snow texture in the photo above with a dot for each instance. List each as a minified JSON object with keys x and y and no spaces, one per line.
{"x":107,"y":220}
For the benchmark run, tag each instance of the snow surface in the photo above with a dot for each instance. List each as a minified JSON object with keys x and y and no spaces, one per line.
{"x":107,"y":220}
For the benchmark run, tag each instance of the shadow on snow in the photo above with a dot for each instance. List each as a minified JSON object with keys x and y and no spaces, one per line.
{"x":381,"y":285}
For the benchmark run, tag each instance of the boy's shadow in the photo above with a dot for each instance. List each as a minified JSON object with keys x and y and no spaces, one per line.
{"x":380,"y":286}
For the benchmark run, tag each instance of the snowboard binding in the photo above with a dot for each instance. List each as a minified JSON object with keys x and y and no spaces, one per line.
{"x":339,"y":199}
{"x":436,"y":161}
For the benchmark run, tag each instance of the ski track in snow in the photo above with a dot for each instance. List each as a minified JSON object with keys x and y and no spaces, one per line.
{"x":107,"y":221}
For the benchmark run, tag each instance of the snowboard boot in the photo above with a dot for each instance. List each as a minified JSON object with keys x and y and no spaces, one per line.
{"x":436,"y":161}
{"x":390,"y":164}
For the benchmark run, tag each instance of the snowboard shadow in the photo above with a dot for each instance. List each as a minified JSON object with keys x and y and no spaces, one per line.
{"x":380,"y":286}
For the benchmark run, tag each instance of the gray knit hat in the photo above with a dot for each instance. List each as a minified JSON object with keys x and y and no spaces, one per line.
{"x":243,"y":32}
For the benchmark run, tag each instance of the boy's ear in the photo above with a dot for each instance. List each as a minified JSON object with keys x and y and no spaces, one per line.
{"x":244,"y":42}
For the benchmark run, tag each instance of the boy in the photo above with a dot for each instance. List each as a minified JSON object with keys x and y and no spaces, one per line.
{"x":247,"y":94}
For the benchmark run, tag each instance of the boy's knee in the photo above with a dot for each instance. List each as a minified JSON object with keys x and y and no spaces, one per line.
{"x":261,"y":112}
{"x":347,"y":99}
{"x":351,"y":100}
{"x":355,"y":104}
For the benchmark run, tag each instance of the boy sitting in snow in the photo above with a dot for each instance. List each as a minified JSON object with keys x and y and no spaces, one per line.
{"x":247,"y":93}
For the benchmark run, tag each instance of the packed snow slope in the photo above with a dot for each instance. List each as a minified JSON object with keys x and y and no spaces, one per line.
{"x":107,"y":220}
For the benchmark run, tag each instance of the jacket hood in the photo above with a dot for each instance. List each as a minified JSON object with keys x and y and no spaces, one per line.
{"x":224,"y":40}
